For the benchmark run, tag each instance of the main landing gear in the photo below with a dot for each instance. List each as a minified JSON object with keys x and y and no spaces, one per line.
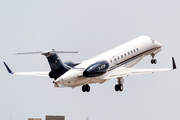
{"x":86,"y":88}
{"x":153,"y":61}
{"x":119,"y":86}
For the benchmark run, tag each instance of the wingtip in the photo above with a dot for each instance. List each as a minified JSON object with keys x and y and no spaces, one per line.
{"x":174,"y":64}
{"x":8,"y":69}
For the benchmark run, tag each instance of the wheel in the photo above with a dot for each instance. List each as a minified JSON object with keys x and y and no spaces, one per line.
{"x":155,"y":61}
{"x":87,"y":88}
{"x":121,"y":87}
{"x":116,"y":87}
{"x":152,"y":61}
{"x":84,"y":88}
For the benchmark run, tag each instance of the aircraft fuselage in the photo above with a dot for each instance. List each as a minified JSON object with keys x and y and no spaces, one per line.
{"x":125,"y":55}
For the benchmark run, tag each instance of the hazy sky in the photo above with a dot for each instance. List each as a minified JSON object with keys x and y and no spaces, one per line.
{"x":91,"y":27}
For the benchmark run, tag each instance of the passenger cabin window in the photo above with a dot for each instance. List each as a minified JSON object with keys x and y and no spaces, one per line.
{"x":137,"y":49}
{"x":121,"y":56}
{"x":114,"y":59}
{"x":128,"y":53}
{"x":131,"y":52}
{"x":118,"y":58}
{"x":125,"y":54}
{"x":134,"y":50}
{"x":111,"y":61}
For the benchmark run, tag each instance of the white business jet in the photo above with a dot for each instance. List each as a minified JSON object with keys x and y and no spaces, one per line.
{"x":115,"y":63}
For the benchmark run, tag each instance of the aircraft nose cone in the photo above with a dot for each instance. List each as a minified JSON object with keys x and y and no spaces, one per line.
{"x":158,"y":44}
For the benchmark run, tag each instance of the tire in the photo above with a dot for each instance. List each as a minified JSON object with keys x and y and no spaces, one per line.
{"x":116,"y":87}
{"x":152,"y":61}
{"x":84,"y":88}
{"x":121,"y":87}
{"x":155,"y":61}
{"x":88,"y":88}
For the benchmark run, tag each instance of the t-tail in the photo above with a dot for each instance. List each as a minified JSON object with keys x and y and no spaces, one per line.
{"x":58,"y":68}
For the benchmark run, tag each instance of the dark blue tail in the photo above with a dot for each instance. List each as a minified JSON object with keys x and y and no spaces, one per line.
{"x":57,"y":67}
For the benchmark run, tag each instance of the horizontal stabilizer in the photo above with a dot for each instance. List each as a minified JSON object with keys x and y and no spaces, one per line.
{"x":46,"y":52}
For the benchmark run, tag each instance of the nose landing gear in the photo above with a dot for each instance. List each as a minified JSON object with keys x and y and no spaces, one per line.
{"x":153,"y":61}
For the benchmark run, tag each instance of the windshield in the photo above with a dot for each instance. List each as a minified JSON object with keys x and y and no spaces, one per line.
{"x":152,"y":41}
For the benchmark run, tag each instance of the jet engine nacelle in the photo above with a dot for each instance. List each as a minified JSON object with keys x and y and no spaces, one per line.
{"x":51,"y":74}
{"x":71,"y":64}
{"x":96,"y":69}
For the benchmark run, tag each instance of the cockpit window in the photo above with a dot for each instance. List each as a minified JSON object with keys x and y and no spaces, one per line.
{"x":152,"y":41}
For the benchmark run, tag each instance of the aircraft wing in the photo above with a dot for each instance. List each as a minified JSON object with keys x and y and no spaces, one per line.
{"x":41,"y":74}
{"x":122,"y":72}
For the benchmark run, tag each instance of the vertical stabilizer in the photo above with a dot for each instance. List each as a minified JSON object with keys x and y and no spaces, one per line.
{"x":58,"y":68}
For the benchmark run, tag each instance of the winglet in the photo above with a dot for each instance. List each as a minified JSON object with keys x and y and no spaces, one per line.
{"x":8,"y":69}
{"x":174,"y":64}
